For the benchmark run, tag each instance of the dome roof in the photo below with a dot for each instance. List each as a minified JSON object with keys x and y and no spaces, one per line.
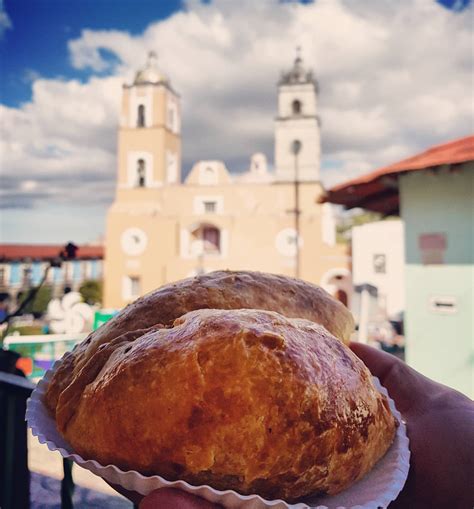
{"x":150,"y":74}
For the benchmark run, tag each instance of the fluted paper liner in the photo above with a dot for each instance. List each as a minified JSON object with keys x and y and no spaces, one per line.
{"x":377,"y":489}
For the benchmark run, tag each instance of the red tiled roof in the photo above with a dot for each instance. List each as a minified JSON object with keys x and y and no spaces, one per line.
{"x":10,"y":252}
{"x":378,"y":190}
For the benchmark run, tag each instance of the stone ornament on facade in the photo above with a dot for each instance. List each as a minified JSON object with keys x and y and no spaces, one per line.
{"x":150,"y":74}
{"x":298,"y":74}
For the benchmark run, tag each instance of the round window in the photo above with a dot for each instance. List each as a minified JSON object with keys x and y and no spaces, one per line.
{"x":285,"y":242}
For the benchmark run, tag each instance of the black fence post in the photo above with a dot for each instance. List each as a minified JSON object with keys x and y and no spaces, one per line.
{"x":67,"y":485}
{"x":14,"y":473}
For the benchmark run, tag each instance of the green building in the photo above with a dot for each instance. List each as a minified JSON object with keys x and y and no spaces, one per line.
{"x":433,"y":192}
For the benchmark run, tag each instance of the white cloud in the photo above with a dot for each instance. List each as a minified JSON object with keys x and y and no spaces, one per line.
{"x":395,"y":78}
{"x":5,"y":21}
{"x":63,"y":141}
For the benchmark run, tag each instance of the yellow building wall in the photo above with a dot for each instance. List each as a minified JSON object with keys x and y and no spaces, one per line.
{"x":252,"y":216}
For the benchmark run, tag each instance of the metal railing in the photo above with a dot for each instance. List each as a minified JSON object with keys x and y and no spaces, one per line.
{"x":38,"y":353}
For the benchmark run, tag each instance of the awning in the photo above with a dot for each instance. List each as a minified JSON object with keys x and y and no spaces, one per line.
{"x":378,"y":190}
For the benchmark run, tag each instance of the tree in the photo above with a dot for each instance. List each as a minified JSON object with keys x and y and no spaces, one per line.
{"x":40,"y":303}
{"x":356,"y":217}
{"x":91,"y":291}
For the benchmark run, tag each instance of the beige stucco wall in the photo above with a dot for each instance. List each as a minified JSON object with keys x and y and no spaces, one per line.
{"x":252,"y":215}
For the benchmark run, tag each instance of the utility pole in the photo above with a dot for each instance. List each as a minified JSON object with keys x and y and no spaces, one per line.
{"x":296,"y":148}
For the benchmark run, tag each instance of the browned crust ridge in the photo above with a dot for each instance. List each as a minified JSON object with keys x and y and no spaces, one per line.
{"x":291,"y":297}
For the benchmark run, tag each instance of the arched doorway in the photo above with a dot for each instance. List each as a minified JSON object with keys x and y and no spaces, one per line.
{"x":341,"y":296}
{"x":338,"y":282}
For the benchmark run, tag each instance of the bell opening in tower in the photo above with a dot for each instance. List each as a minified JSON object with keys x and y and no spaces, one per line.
{"x":141,"y":181}
{"x":141,"y":116}
{"x":296,"y":107}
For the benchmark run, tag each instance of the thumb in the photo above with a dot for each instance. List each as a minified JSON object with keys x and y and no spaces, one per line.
{"x":166,"y":498}
{"x":407,"y":387}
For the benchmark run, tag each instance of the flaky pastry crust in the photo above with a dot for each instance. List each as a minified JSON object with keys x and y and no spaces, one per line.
{"x":291,"y":297}
{"x":238,"y":399}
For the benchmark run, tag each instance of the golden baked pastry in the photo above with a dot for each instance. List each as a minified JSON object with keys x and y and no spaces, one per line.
{"x":238,"y":399}
{"x":218,"y":290}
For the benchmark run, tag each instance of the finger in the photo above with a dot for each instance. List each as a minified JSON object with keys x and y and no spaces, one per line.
{"x":380,"y":363}
{"x":406,"y":386}
{"x":166,"y":498}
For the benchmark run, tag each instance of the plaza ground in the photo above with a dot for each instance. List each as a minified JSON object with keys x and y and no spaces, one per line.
{"x":46,"y":469}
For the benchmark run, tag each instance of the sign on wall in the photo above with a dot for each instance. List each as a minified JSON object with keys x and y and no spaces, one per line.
{"x":432,"y":247}
{"x":380,"y":263}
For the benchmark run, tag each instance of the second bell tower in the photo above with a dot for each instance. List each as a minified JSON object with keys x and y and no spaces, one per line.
{"x":297,"y":120}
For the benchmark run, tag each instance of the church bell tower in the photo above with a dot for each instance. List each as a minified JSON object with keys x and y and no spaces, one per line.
{"x":297,"y":120}
{"x":149,"y":139}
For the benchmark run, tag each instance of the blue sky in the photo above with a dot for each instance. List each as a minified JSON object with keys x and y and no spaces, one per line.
{"x":395,"y":77}
{"x":37,"y":44}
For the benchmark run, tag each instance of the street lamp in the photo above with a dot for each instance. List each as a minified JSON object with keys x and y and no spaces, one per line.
{"x":68,"y":252}
{"x":295,"y":149}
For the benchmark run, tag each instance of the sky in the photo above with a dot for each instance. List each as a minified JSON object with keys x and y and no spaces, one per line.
{"x":395,"y":78}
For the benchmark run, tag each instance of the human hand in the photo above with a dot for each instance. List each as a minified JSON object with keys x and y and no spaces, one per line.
{"x":440,"y":426}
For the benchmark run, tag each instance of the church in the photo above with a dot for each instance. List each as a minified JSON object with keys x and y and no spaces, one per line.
{"x":162,"y":228}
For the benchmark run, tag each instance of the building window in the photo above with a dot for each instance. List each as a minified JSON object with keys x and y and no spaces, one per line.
{"x":141,"y":116}
{"x":36,"y":273}
{"x":209,"y":207}
{"x":208,"y":204}
{"x":15,"y":273}
{"x":131,"y":288}
{"x":135,"y":287}
{"x":2,"y":276}
{"x":296,"y":107}
{"x":141,"y":173}
{"x":380,"y":264}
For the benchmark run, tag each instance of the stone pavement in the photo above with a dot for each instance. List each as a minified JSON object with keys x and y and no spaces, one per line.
{"x":46,"y":469}
{"x":45,"y":494}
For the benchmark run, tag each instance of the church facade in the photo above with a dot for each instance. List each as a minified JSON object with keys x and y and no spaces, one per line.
{"x":161,"y":228}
